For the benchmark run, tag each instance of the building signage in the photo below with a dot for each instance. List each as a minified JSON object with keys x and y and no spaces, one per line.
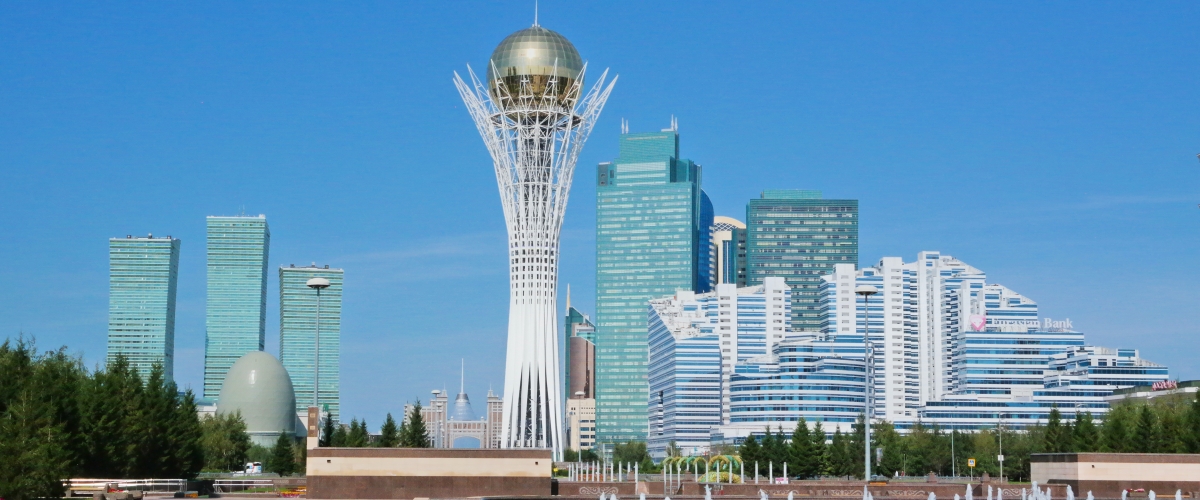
{"x":1164,"y":385}
{"x":1051,"y":325}
{"x":978,"y":322}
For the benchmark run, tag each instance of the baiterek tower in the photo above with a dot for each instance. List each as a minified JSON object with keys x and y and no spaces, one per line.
{"x":534,"y":117}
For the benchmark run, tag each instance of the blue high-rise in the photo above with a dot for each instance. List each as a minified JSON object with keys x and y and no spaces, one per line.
{"x":298,"y":331}
{"x":143,"y":276}
{"x":236,"y":311}
{"x":650,"y":241}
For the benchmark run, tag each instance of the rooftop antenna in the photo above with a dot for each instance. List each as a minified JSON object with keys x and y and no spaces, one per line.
{"x":568,"y":298}
{"x":535,"y":12}
{"x":674,"y":124}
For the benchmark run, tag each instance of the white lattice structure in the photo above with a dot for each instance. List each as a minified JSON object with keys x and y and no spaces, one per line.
{"x":534,"y":123}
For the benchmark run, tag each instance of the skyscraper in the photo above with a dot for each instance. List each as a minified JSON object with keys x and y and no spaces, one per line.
{"x":798,"y":236}
{"x":298,"y":331}
{"x":236,"y":311}
{"x":648,"y":237}
{"x":534,"y":118}
{"x":143,"y":274}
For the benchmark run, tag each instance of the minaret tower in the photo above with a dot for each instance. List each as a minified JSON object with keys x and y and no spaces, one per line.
{"x":534,"y":118}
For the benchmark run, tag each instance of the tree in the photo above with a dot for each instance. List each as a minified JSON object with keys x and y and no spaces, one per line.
{"x":1057,"y":437}
{"x":800,"y":456}
{"x":1191,"y":427}
{"x":327,"y":433}
{"x":1086,"y":436}
{"x":570,"y":455}
{"x":750,"y":451}
{"x":358,"y":437}
{"x":339,"y":437}
{"x":589,"y":455}
{"x":820,"y":451}
{"x":1146,"y":435}
{"x":282,"y":460}
{"x":389,"y":436}
{"x":226,"y":444}
{"x":630,"y":452}
{"x":673,"y":449}
{"x":416,"y":436}
{"x":1115,"y":431}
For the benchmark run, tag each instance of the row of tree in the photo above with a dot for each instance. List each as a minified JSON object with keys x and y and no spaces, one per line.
{"x":1159,"y":426}
{"x":412,"y":433}
{"x":59,"y":420}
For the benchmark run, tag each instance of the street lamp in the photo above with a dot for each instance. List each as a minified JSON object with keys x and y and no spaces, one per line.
{"x":866,"y":291}
{"x":317,"y":284}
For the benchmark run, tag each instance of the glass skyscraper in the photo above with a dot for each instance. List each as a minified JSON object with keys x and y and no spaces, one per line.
{"x":798,"y":236}
{"x":236,"y":311}
{"x":649,"y":233}
{"x":298,"y":329}
{"x":143,"y":276}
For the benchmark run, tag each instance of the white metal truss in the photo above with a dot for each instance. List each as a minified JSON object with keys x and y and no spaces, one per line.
{"x":534,"y":138}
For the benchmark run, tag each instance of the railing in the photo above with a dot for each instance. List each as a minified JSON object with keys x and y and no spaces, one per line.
{"x":149,"y":485}
{"x":244,"y":486}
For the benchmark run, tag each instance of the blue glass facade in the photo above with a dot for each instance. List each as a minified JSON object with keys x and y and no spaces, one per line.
{"x":648,"y":218}
{"x":236,"y":311}
{"x":143,"y":276}
{"x":798,"y":236}
{"x":298,"y":331}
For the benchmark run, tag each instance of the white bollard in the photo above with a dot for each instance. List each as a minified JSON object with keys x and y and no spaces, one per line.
{"x":756,"y":472}
{"x":785,"y":471}
{"x":771,"y":476}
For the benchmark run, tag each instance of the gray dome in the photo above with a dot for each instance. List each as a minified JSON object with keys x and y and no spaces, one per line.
{"x":534,"y":54}
{"x":259,"y":386}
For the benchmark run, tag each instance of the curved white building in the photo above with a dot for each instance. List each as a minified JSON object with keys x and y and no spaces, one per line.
{"x":534,"y":118}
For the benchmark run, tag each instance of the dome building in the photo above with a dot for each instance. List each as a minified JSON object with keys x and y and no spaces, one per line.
{"x":259,"y":387}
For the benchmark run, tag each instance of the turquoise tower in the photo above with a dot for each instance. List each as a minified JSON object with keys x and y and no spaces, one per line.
{"x":650,"y":241}
{"x":298,"y":330}
{"x":236,"y":310}
{"x":799,"y":236}
{"x":142,"y":280}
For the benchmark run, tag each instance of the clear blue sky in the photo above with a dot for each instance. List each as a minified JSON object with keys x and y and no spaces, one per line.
{"x":1052,"y":145}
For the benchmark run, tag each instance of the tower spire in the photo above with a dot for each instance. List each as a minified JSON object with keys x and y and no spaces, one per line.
{"x":462,"y":376}
{"x":568,"y":298}
{"x":535,"y":12}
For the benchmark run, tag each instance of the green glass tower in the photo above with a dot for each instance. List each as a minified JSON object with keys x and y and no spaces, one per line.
{"x":143,"y":276}
{"x":649,"y":232}
{"x":298,"y":330}
{"x":236,"y":310}
{"x":799,"y":236}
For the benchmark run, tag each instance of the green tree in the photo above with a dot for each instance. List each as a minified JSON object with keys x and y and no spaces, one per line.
{"x":839,"y":459}
{"x":282,"y":460}
{"x":389,"y":436}
{"x":1115,"y":430}
{"x":1191,"y":427}
{"x":800,"y":456}
{"x":1058,"y":437}
{"x":1086,"y":436}
{"x":327,"y":433}
{"x":225,"y":442}
{"x":570,"y":455}
{"x":340,"y":437}
{"x":186,"y":452}
{"x":820,"y":451}
{"x":416,"y":436}
{"x":35,"y":459}
{"x":589,"y":456}
{"x":630,"y":452}
{"x":751,"y":452}
{"x":358,"y":437}
{"x":1146,"y":433}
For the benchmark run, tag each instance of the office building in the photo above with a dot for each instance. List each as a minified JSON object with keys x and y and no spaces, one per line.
{"x":143,"y":279}
{"x":648,"y":234}
{"x":236,"y":305}
{"x":534,"y":116}
{"x":729,"y":251}
{"x":580,"y":354}
{"x":799,"y":236}
{"x":695,"y":340}
{"x":298,"y":332}
{"x":581,"y":423}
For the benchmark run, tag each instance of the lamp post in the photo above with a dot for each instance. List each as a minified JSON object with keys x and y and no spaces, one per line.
{"x":317,"y":284}
{"x":866,"y":291}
